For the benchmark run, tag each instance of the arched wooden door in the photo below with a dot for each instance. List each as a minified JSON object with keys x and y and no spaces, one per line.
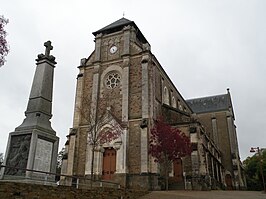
{"x":228,"y":181}
{"x":109,"y":163}
{"x":178,"y":170}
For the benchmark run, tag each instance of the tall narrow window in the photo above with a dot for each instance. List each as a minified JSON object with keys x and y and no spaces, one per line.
{"x":173,"y":102}
{"x":166,"y":96}
{"x":179,"y":105}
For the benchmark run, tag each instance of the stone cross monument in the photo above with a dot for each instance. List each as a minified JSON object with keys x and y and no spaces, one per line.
{"x":34,"y":144}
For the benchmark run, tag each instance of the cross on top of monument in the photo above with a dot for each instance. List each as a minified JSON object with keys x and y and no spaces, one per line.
{"x":46,"y":55}
{"x":48,"y":48}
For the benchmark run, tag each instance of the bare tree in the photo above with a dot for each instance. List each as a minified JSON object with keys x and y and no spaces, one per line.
{"x":4,"y":48}
{"x":103,"y":127}
{"x":60,"y":158}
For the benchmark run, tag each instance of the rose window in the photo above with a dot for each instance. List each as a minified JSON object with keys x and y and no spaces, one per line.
{"x":112,"y":80}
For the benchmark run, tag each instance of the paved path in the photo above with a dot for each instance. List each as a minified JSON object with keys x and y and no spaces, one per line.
{"x":205,"y":195}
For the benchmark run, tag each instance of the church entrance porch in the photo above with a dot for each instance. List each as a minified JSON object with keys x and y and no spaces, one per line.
{"x":228,"y":181}
{"x":177,"y":181}
{"x":109,"y":164}
{"x":178,"y":171}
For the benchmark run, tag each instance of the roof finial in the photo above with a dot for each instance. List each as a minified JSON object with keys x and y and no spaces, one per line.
{"x":124,"y":14}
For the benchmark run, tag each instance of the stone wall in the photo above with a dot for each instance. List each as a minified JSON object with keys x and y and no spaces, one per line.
{"x":134,"y":148}
{"x":10,"y":190}
{"x":223,"y":135}
{"x":135,"y":89}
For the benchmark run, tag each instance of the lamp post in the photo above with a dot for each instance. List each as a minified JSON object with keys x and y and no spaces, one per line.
{"x":252,"y":150}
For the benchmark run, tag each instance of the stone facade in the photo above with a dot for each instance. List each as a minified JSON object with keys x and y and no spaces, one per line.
{"x":123,"y":77}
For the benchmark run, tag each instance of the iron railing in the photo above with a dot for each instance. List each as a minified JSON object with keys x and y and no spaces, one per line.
{"x":54,"y":179}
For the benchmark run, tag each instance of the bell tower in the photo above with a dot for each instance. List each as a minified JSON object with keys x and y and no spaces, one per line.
{"x":114,"y":77}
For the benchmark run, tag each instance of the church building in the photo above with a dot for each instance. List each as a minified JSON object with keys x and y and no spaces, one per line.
{"x":123,"y":82}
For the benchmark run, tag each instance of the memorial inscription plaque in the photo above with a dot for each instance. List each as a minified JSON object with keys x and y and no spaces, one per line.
{"x":43,"y":155}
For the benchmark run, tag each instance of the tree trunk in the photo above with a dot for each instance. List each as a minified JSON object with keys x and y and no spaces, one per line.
{"x":166,"y":171}
{"x":166,"y":179}
{"x":92,"y":164}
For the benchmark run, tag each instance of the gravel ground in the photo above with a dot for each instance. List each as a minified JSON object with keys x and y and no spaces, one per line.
{"x":205,"y":195}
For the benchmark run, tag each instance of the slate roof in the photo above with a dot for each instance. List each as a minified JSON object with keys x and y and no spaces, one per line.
{"x":119,"y":25}
{"x":210,"y":104}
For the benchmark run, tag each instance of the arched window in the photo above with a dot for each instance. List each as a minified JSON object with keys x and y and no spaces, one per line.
{"x":179,"y":105}
{"x":166,"y":96}
{"x":173,"y":102}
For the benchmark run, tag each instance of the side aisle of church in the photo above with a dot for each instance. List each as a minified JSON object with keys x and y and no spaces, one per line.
{"x":123,"y":81}
{"x":217,"y":115}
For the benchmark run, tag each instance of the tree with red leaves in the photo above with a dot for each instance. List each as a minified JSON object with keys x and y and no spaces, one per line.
{"x":4,"y":49}
{"x":167,"y":144}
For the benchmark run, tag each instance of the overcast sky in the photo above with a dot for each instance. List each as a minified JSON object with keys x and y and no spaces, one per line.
{"x":205,"y":46}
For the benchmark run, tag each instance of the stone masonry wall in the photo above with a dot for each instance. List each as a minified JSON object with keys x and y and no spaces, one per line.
{"x":206,"y":121}
{"x":224,"y":140}
{"x":223,"y":135}
{"x":134,"y":148}
{"x":135,"y":89}
{"x":81,"y":152}
{"x":10,"y":190}
{"x":81,"y":136}
{"x":110,"y":97}
{"x":87,"y":92}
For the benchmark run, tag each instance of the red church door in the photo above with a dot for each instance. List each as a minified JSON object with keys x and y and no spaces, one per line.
{"x":109,"y":163}
{"x":228,"y":181}
{"x":178,"y":171}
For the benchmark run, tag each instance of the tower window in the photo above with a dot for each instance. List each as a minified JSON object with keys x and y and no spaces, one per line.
{"x":112,"y":80}
{"x":166,"y":96}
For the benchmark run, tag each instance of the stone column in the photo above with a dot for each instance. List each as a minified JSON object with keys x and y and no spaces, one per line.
{"x":88,"y":159}
{"x":213,"y":173}
{"x":78,"y":99}
{"x":95,"y":91}
{"x":118,"y":146}
{"x":71,"y":151}
{"x":126,"y":47}
{"x":221,"y":174}
{"x":125,"y":89}
{"x":145,"y":114}
{"x":121,"y":155}
{"x":153,"y":166}
{"x":207,"y":163}
{"x":98,"y":43}
{"x":94,"y":103}
{"x":230,"y":131}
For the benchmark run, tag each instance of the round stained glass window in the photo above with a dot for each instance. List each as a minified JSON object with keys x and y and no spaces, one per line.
{"x":112,"y":80}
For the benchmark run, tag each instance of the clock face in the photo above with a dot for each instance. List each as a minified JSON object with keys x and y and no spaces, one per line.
{"x":113,"y":49}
